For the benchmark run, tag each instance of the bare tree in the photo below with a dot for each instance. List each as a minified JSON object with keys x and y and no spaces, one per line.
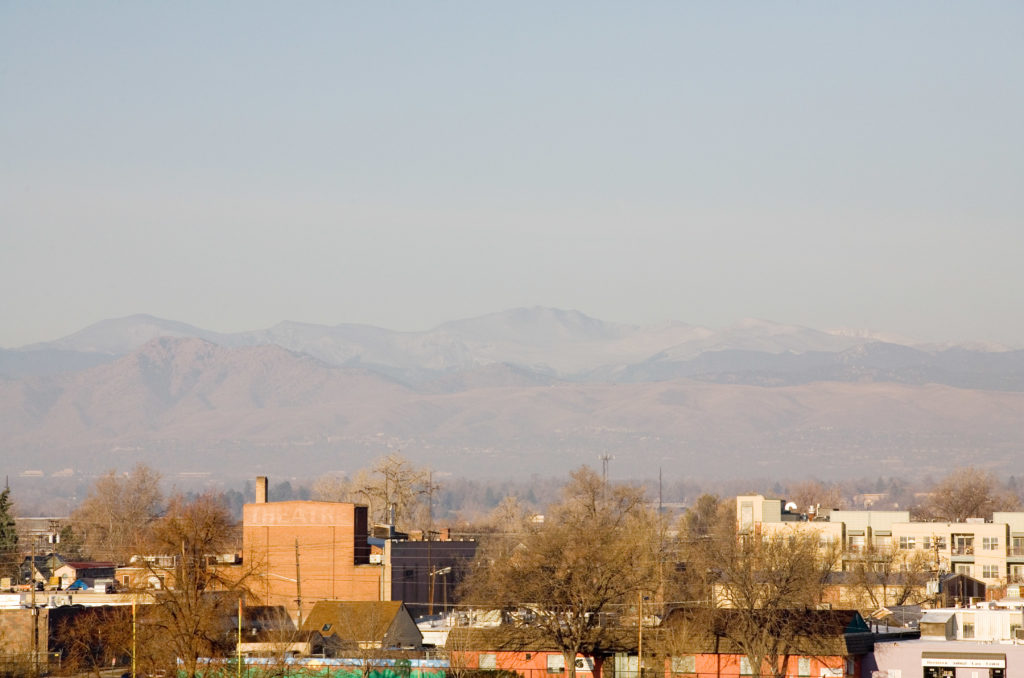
{"x":392,"y":482}
{"x":593,"y":554}
{"x":117,"y":511}
{"x":93,"y":639}
{"x":815,"y":493}
{"x":761,"y":585}
{"x":708,"y":517}
{"x":332,"y":487}
{"x":968,"y":493}
{"x":880,"y":577}
{"x":190,"y":615}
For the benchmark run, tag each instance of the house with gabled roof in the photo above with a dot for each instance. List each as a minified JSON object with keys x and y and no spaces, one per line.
{"x":87,"y":571}
{"x":353,"y":625}
{"x":39,"y":568}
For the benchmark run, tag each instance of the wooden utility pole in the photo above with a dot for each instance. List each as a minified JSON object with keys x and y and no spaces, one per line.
{"x":238,"y":648}
{"x":640,"y":634}
{"x":134,"y":640}
{"x":35,"y":611}
{"x":298,"y":583}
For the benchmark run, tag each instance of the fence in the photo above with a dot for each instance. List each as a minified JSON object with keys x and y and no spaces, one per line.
{"x":326,"y":667}
{"x":20,"y":664}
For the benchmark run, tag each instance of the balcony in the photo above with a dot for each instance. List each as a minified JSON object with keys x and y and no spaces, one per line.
{"x":1015,"y":552}
{"x":961,"y":553}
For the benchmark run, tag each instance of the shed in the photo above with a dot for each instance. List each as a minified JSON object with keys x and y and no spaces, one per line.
{"x":938,"y":625}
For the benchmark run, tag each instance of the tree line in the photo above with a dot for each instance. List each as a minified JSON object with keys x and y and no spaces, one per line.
{"x":601,"y":555}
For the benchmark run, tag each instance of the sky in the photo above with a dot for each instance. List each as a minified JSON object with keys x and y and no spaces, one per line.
{"x":401,"y":164}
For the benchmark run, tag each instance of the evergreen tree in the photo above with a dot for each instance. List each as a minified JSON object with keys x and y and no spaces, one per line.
{"x":9,"y":557}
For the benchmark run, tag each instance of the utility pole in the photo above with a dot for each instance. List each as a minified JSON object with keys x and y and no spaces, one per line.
{"x":35,"y":611}
{"x":430,"y":505}
{"x":660,"y":504}
{"x":238,"y":645}
{"x":298,"y":583}
{"x":430,"y":605}
{"x":430,"y":537}
{"x":605,"y":458}
{"x":640,"y":634}
{"x":134,"y":639}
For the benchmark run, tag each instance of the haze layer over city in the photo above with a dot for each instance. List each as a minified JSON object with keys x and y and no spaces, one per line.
{"x":508,"y":239}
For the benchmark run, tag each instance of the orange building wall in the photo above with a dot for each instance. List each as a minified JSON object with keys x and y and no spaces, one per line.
{"x":728,"y":666}
{"x":527,"y":664}
{"x":333,"y":555}
{"x":534,"y":665}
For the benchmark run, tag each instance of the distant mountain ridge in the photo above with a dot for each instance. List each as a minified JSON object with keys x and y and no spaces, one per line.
{"x":523,"y":391}
{"x":185,"y":404}
{"x":560,"y":344}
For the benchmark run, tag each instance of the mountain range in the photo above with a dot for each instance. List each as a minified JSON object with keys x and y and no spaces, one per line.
{"x":535,"y":390}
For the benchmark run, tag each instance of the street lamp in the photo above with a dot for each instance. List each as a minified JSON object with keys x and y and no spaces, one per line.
{"x":443,"y":571}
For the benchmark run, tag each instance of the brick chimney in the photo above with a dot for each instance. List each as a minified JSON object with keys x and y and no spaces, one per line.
{"x":261,"y":489}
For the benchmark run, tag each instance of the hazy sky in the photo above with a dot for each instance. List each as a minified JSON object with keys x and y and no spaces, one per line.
{"x":232,"y":165}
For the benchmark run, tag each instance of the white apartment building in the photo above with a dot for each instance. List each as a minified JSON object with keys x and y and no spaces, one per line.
{"x":992,"y":552}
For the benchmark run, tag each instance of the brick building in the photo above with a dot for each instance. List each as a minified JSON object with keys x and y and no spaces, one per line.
{"x":306,"y":551}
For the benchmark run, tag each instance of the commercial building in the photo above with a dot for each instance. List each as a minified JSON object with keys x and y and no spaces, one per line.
{"x":991,"y":551}
{"x":425,"y":574}
{"x":302,"y":552}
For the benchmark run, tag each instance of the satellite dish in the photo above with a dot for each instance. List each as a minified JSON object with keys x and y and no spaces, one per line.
{"x":791,"y":506}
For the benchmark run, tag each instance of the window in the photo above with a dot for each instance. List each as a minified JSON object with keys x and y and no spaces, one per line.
{"x":556,"y":663}
{"x":926,"y":543}
{"x":488,"y":660}
{"x":962,"y":568}
{"x":940,"y":543}
{"x":803,"y":666}
{"x":684,"y":664}
{"x":990,"y":543}
{"x":990,"y":571}
{"x":968,"y":631}
{"x":745,"y":667}
{"x":906,"y":543}
{"x":746,"y":516}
